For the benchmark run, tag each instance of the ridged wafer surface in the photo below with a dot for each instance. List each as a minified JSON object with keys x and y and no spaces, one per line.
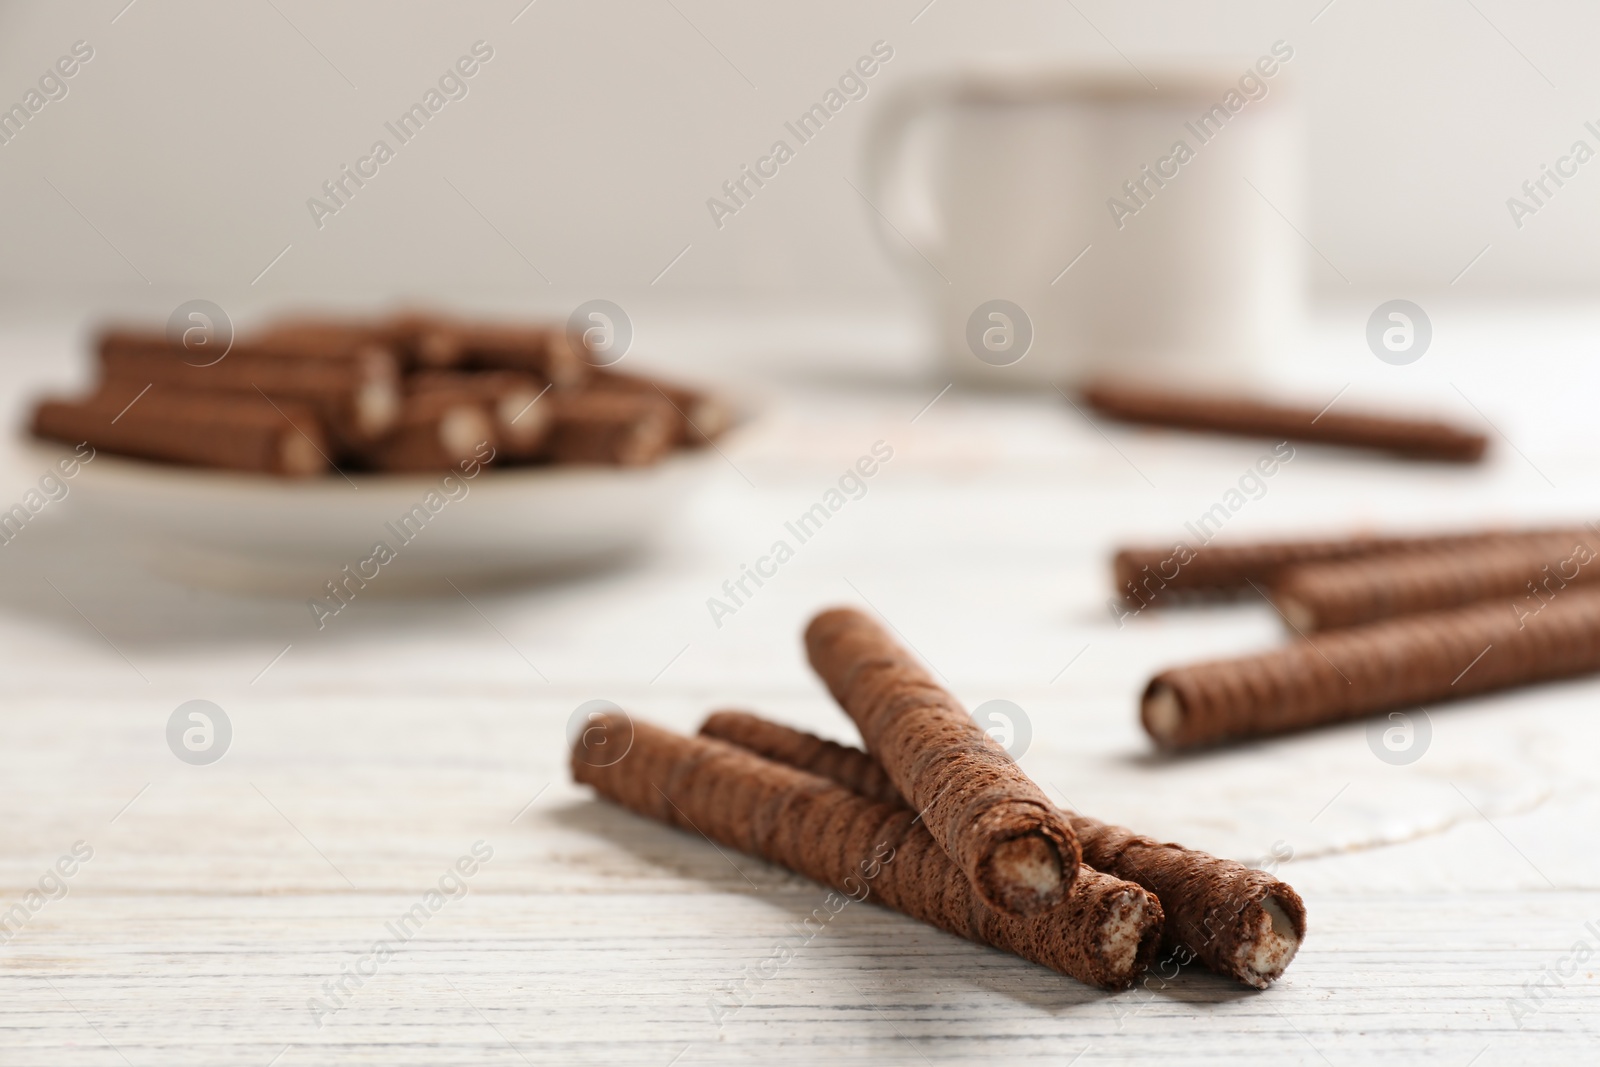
{"x":1523,"y":574}
{"x":1149,"y":574}
{"x":988,"y":815}
{"x":1344,"y":674}
{"x":1105,"y":933}
{"x":1214,"y":907}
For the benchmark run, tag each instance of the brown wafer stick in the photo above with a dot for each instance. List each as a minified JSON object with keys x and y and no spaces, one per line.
{"x":1105,"y":934}
{"x":1231,"y":918}
{"x":437,"y":431}
{"x":610,"y":428}
{"x":1345,"y":674}
{"x":1321,"y":596}
{"x":1410,"y":437}
{"x":701,"y":417}
{"x":849,"y":766}
{"x":399,"y":333}
{"x":202,"y":429}
{"x":1149,"y":575}
{"x":521,"y":423}
{"x":998,"y":827}
{"x":546,"y":351}
{"x":354,"y":388}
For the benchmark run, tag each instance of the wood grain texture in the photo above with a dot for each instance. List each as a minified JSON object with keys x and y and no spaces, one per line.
{"x":372,"y":755}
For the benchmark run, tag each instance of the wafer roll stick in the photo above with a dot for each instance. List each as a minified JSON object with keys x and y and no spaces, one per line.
{"x":203,"y":429}
{"x":545,"y":351}
{"x":998,"y":827}
{"x":353,"y":388}
{"x":1147,"y":575}
{"x":850,"y":767}
{"x":1409,"y":437}
{"x":1345,"y":674}
{"x":1231,"y":918}
{"x":609,"y":428}
{"x":1322,"y":596}
{"x":521,"y":423}
{"x":436,"y":432}
{"x":1105,"y":934}
{"x":701,"y":417}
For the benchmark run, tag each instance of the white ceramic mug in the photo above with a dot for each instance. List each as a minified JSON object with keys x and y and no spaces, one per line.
{"x":1061,"y":232}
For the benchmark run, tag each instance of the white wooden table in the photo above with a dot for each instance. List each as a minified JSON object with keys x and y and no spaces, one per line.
{"x":221,"y":900}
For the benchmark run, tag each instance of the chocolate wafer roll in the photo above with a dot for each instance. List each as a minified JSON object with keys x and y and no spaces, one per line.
{"x":231,"y":432}
{"x":998,"y":827}
{"x":437,"y":431}
{"x":1321,"y":596}
{"x":609,"y":428}
{"x":1105,"y":933}
{"x":545,"y":351}
{"x":1409,"y":437}
{"x":701,"y":417}
{"x":1146,"y":576}
{"x":323,"y":334}
{"x":399,"y":333}
{"x":1233,"y":919}
{"x":1345,"y":674}
{"x":849,"y":766}
{"x":354,"y":388}
{"x":521,"y":423}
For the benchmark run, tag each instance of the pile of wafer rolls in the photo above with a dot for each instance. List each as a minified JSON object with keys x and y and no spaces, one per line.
{"x":1377,"y":624}
{"x":1408,"y":437}
{"x":411,"y":393}
{"x":936,"y":821}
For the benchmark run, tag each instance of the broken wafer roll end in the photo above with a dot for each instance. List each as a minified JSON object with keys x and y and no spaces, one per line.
{"x":1300,"y":616}
{"x":1124,"y":929}
{"x":437,"y":431}
{"x":1162,"y":713}
{"x":1030,"y":873}
{"x":996,"y":825}
{"x":1273,"y":927}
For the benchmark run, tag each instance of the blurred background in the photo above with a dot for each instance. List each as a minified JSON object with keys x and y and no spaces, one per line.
{"x":579,"y":165}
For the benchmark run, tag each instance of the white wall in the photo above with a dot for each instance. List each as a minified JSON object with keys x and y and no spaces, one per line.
{"x":193,"y":138}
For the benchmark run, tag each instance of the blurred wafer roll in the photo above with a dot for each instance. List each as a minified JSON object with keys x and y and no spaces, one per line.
{"x":521,"y":422}
{"x":702,"y":417}
{"x":1232,"y":919}
{"x":547,"y":352}
{"x":437,"y":431}
{"x":1147,"y":575}
{"x":610,"y":428}
{"x":323,"y":334}
{"x":1414,"y":438}
{"x":1321,"y":596}
{"x":1398,"y":663}
{"x":352,"y":385}
{"x":232,"y":432}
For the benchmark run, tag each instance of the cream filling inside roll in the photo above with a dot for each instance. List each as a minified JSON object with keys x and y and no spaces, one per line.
{"x":1163,"y":713}
{"x":522,"y":421}
{"x":298,"y":455}
{"x":377,"y":406}
{"x":1268,"y":946}
{"x":462,"y":430}
{"x":1123,"y":930}
{"x":1299,"y":616}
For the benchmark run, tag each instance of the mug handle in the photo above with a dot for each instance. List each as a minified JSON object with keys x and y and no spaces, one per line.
{"x":915,"y":243}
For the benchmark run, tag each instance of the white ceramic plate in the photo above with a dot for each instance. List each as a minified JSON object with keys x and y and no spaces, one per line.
{"x":265,"y":534}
